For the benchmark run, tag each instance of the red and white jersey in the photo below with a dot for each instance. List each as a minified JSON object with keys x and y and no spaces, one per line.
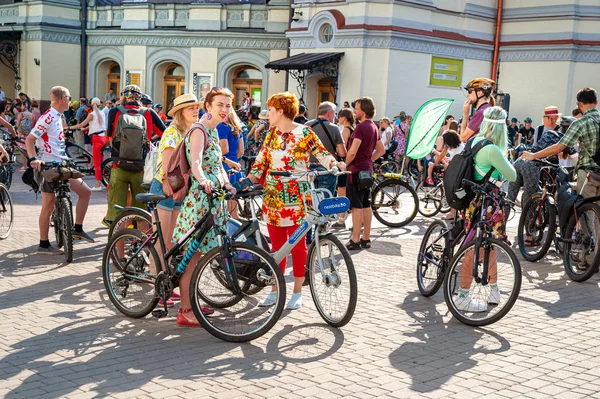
{"x":51,"y":138}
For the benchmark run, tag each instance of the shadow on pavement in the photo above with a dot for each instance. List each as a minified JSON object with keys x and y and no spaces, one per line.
{"x":432,"y":355}
{"x":119,"y":355}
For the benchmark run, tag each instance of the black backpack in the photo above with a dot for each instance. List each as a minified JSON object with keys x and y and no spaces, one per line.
{"x":596,"y":156}
{"x":462,"y":166}
{"x":130,"y":145}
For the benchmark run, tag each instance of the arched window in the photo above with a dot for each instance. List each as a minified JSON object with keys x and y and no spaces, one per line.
{"x":326,"y":33}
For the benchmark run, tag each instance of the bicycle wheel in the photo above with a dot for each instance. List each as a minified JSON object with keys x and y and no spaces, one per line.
{"x":132,"y":290}
{"x":131,"y":218}
{"x":66,"y":228}
{"x":538,"y":222}
{"x":581,"y":249}
{"x":394,"y":203}
{"x":390,"y":166}
{"x":6,"y":212}
{"x":333,"y":283}
{"x":429,"y":200}
{"x":57,"y":228}
{"x":478,"y":304}
{"x":6,"y":174}
{"x":430,"y":260}
{"x":106,"y":166}
{"x":242,"y":320}
{"x":445,"y":207}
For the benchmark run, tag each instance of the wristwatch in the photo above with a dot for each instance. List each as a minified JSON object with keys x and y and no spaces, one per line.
{"x":30,"y":160}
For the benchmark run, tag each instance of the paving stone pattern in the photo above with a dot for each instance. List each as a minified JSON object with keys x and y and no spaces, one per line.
{"x":60,"y":337}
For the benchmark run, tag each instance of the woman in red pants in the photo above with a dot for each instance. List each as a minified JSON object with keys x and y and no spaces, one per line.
{"x":97,"y":133}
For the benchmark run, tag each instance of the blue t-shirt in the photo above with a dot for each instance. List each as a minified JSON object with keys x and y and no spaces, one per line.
{"x":225,"y":133}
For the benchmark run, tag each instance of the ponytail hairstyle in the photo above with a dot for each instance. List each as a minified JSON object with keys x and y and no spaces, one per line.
{"x":95,"y":104}
{"x":349,"y":115}
{"x":493,"y":127}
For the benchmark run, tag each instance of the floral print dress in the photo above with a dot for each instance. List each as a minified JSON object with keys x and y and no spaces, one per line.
{"x":282,"y":203}
{"x":196,"y":203}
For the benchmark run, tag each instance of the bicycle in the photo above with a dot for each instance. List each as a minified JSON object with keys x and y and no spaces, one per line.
{"x":538,"y":219}
{"x":432,"y":200}
{"x":329,"y":279}
{"x":7,"y":170}
{"x":230,"y":278}
{"x":451,"y":269}
{"x":6,"y":212}
{"x":394,"y":201}
{"x":62,"y":215}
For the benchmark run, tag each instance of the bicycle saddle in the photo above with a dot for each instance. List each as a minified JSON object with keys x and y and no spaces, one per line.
{"x":144,"y":198}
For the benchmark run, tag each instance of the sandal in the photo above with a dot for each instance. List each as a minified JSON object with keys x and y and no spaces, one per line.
{"x":366,"y":244}
{"x":352,"y":246}
{"x":531,"y":243}
{"x":183,"y":321}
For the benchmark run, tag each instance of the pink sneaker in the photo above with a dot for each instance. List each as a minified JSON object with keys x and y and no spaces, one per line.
{"x":170,"y":303}
{"x":175,"y":296}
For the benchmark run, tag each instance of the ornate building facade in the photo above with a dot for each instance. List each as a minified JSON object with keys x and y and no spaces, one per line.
{"x":400,"y":52}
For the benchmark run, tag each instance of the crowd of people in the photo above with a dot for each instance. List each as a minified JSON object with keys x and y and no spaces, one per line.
{"x":282,"y":138}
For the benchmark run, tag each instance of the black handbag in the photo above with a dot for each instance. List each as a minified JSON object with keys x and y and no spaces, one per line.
{"x":365,"y":180}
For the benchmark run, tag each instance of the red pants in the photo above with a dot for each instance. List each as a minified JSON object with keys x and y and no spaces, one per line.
{"x":279,"y":235}
{"x":98,"y":143}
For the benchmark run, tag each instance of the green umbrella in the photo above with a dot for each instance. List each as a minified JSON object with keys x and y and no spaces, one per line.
{"x":425,"y":127}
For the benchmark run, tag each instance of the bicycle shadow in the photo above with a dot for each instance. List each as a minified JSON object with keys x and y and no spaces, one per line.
{"x":564,"y":296}
{"x":117,"y":355}
{"x":437,"y":351}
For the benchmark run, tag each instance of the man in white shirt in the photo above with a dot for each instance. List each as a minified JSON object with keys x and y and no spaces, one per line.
{"x":49,"y":134}
{"x":107,"y":107}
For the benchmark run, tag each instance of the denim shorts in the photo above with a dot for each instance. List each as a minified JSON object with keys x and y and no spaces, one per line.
{"x":169,"y":204}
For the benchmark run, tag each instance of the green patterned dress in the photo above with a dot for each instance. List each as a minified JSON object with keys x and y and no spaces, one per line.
{"x":196,"y":203}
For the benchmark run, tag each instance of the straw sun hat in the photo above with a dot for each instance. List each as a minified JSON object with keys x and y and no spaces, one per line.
{"x":184,"y":101}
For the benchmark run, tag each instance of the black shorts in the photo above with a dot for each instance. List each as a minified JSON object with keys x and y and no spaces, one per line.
{"x":359,"y":199}
{"x":87,"y":140}
{"x":45,"y":186}
{"x":342,"y":181}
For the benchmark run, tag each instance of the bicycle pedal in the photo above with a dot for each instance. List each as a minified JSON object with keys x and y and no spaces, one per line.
{"x":160,"y":313}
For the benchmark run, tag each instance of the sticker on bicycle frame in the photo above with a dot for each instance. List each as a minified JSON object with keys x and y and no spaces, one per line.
{"x":298,"y":233}
{"x":329,"y":206}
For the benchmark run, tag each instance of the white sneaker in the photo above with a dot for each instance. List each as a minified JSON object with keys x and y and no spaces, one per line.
{"x":295,"y":301}
{"x":97,"y":188}
{"x":494,"y":297}
{"x":270,"y":300}
{"x":468,"y":304}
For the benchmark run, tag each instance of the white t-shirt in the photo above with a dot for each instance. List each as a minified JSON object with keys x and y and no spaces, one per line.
{"x":50,"y":135}
{"x":387,"y":135}
{"x":106,"y":110}
{"x":453,"y":151}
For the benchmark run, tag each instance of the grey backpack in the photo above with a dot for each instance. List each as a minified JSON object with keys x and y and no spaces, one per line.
{"x":130,"y":144}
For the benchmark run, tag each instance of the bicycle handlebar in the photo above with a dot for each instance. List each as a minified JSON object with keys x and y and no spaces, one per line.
{"x":286,"y":173}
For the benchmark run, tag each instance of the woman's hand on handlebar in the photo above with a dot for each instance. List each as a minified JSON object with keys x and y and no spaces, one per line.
{"x":36,"y":164}
{"x":340,"y":165}
{"x":230,"y":188}
{"x":207,"y":185}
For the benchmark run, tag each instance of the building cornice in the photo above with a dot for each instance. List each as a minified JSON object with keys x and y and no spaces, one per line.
{"x":40,"y":33}
{"x":571,"y":53}
{"x":188,"y":39}
{"x":401,"y":41}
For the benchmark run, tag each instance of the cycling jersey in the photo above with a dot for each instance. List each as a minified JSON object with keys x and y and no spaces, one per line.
{"x":51,"y":139}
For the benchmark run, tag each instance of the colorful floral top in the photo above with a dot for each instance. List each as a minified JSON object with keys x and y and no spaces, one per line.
{"x":282,"y":204}
{"x":170,"y":139}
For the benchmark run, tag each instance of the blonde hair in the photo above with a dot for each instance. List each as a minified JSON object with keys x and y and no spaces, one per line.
{"x":178,"y":121}
{"x":234,"y":123}
{"x":386,"y":120}
{"x":57,"y":93}
{"x":96,"y":101}
{"x":494,"y":131}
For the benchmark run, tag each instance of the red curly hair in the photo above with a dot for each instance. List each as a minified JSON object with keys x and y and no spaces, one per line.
{"x":287,"y":102}
{"x":217,"y":91}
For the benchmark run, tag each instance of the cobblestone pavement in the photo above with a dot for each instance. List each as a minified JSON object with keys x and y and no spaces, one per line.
{"x":61,"y":337}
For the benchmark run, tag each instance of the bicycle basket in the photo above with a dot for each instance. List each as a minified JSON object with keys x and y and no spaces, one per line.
{"x":62,"y":173}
